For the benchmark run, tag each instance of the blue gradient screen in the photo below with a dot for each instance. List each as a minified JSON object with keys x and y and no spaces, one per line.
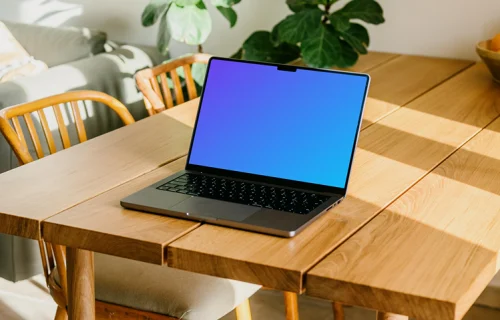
{"x":291,"y":125}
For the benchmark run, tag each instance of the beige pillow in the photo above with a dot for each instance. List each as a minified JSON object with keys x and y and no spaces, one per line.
{"x":14,"y":60}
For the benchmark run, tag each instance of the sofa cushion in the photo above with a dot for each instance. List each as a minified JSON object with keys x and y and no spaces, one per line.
{"x":56,"y":46}
{"x":168,"y":291}
{"x":14,"y":60}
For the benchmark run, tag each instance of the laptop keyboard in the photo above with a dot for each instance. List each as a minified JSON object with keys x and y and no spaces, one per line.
{"x":245,"y":193}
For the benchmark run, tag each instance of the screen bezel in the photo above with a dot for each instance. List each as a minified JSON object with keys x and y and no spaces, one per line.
{"x":272,"y":180}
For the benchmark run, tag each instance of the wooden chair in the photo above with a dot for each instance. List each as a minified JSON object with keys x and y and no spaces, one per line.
{"x":54,"y":256}
{"x":153,"y":83}
{"x":16,"y":138}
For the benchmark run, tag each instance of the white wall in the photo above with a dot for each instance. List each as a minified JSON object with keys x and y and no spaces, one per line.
{"x":448,"y":28}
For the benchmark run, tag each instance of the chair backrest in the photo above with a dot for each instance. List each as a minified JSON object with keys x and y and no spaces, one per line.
{"x":11,"y":128}
{"x":155,"y":85}
{"x":53,"y":256}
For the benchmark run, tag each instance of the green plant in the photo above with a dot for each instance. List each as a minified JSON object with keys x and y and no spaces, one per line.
{"x":313,"y":32}
{"x":187,"y":21}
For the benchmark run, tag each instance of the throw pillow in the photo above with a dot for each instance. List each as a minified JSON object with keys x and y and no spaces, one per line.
{"x":14,"y":60}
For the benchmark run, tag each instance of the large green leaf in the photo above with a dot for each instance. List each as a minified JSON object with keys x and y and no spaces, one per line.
{"x":357,"y":36}
{"x":322,"y":48}
{"x":153,"y":11}
{"x":275,"y":40}
{"x":299,"y":5}
{"x":238,"y":54}
{"x":348,"y":57}
{"x":199,"y":71}
{"x":339,"y":22}
{"x":182,"y":3}
{"x":260,"y":47}
{"x":296,"y":27}
{"x":163,"y":36}
{"x":229,"y":14}
{"x":190,"y":24}
{"x":225,"y":3}
{"x":367,"y":10}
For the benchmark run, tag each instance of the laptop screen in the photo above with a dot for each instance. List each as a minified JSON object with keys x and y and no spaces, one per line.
{"x":281,"y":122}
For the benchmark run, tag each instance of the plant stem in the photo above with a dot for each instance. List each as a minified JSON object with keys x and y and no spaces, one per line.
{"x":200,"y":48}
{"x":327,"y":11}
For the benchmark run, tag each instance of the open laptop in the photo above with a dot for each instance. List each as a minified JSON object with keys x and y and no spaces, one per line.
{"x":271,"y":150}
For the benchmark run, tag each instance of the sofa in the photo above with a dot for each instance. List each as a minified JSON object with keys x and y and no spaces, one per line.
{"x":76,"y":59}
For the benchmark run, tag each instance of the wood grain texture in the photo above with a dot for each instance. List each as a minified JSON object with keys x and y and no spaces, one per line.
{"x":102,"y":225}
{"x":391,"y":156}
{"x":243,"y":311}
{"x":403,"y":79}
{"x":291,"y":305}
{"x":338,"y":311}
{"x":61,"y":314}
{"x":81,"y":291}
{"x":373,"y":59}
{"x":432,"y":252}
{"x":86,"y":170}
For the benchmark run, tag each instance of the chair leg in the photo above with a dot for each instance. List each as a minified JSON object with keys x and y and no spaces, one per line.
{"x":390,"y":316}
{"x":243,"y":311}
{"x":291,"y":306}
{"x":338,"y":311}
{"x":61,"y":314}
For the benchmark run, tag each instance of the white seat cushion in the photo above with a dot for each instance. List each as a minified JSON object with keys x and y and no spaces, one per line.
{"x":167,"y":291}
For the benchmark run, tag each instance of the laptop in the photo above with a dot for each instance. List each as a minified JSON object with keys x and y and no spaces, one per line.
{"x":271,"y":150}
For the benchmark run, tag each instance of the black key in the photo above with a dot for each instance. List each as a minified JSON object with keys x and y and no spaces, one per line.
{"x":245,"y":192}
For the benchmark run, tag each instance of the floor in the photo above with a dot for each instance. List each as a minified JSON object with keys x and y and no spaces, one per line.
{"x":30,"y":299}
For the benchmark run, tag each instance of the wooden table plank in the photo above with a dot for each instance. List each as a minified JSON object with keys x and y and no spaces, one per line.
{"x":102,"y":225}
{"x":372,"y":60}
{"x":43,"y":188}
{"x":431,"y":253}
{"x":383,"y":169}
{"x":403,"y":79}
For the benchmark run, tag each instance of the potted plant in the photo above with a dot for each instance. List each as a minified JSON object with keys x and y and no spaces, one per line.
{"x":317,"y":34}
{"x":186,"y":21}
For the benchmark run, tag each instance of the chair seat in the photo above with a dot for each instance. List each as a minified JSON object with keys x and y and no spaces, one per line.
{"x":164,"y":290}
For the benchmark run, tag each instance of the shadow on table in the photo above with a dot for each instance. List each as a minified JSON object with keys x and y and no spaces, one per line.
{"x":406,"y":261}
{"x":407,"y":148}
{"x":439,"y":99}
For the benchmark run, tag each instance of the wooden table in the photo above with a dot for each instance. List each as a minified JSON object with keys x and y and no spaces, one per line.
{"x":420,"y":112}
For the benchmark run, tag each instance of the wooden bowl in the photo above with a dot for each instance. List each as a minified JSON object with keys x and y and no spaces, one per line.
{"x":490,"y":58}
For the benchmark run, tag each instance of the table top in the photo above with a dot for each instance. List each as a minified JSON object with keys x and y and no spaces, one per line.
{"x":188,"y":249}
{"x":438,"y":244}
{"x":420,"y":111}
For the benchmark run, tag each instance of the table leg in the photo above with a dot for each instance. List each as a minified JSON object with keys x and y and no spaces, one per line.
{"x":81,"y":296}
{"x":390,"y":316}
{"x":291,"y":306}
{"x":338,"y":311}
{"x":243,"y":311}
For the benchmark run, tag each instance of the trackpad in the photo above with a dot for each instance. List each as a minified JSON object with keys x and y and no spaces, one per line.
{"x":215,"y":209}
